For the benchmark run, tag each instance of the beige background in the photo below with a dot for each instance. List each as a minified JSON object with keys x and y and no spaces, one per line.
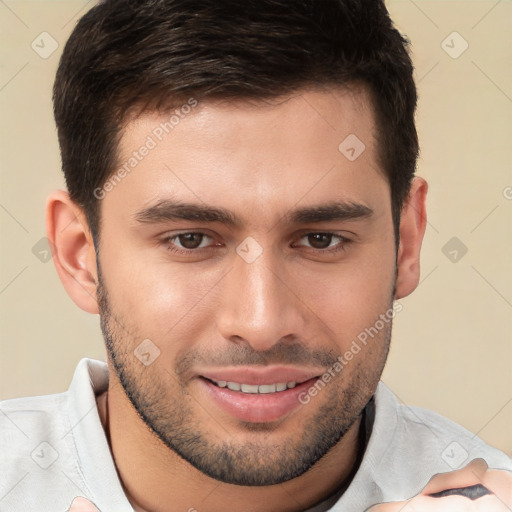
{"x":451,"y":349}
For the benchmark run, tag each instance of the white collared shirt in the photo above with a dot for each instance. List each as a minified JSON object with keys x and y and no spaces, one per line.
{"x":53,"y":448}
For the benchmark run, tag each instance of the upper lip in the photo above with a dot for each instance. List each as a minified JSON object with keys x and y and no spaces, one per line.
{"x":260,"y":375}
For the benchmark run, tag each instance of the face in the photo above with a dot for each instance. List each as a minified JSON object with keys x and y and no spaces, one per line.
{"x":241,"y":258}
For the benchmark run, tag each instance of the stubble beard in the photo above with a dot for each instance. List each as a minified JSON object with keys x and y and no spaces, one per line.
{"x":163,"y":402}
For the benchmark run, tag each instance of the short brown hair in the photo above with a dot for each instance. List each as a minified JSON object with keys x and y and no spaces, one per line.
{"x":156,"y":54}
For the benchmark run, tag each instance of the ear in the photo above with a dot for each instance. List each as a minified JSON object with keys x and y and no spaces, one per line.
{"x":73,"y":250}
{"x":412,"y":228}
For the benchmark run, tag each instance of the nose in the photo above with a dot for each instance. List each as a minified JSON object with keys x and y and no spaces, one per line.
{"x":261,"y":305}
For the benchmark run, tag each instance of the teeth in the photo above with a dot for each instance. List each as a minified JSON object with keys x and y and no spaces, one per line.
{"x":247,"y":388}
{"x":267,"y":388}
{"x":255,"y":389}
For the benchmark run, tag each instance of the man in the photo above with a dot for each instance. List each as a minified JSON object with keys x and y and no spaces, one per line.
{"x":243,"y":215}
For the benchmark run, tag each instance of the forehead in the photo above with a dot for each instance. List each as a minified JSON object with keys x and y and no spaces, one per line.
{"x":316,"y":109}
{"x":311,"y":146}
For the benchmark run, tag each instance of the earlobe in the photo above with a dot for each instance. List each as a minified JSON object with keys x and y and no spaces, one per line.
{"x":73,"y":249}
{"x":412,"y":229}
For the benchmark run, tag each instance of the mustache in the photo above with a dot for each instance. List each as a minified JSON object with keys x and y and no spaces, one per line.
{"x":283,"y":352}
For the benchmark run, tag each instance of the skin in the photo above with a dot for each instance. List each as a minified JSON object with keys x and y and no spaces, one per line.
{"x":213,"y":309}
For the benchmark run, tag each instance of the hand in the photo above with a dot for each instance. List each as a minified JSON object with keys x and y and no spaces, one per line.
{"x":82,"y":505}
{"x":496,"y":484}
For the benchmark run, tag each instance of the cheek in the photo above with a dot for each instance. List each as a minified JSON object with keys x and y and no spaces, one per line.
{"x":158,"y":300}
{"x":350,"y":298}
{"x":172,"y":303}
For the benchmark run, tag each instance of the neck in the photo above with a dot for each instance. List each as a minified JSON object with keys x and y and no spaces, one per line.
{"x":168,"y":479}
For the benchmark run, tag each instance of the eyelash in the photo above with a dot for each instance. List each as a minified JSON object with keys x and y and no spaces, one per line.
{"x":171,"y":248}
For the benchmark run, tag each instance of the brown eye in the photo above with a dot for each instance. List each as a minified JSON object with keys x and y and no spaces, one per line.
{"x":190,"y":240}
{"x":324,"y":243}
{"x":320,"y":240}
{"x":187,"y":242}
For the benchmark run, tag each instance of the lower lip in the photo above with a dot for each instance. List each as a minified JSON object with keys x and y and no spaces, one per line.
{"x":256,"y":407}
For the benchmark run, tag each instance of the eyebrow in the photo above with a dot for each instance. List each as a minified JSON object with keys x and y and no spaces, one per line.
{"x":171,"y":210}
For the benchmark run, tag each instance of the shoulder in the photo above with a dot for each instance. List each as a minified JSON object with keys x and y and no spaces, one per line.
{"x":407,"y":447}
{"x":38,"y":441}
{"x":425,"y":433}
{"x":24,"y":421}
{"x":36,"y":450}
{"x":29,"y":418}
{"x":456,"y":444}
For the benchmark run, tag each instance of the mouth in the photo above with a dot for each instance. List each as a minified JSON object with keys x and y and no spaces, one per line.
{"x":254,"y":389}
{"x":256,"y":396}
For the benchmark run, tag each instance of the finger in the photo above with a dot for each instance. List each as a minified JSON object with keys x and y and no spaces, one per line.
{"x":81,"y":504}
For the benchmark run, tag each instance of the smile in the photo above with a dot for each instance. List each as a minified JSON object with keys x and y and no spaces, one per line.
{"x":261,"y":400}
{"x":255,"y":389}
